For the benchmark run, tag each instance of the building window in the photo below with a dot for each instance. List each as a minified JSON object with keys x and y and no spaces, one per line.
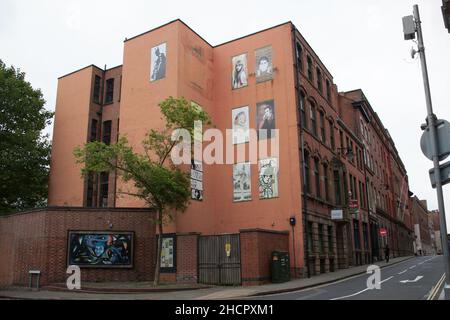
{"x":356,"y":234}
{"x":361,"y":201}
{"x":104,"y":186}
{"x":90,"y":191}
{"x":299,"y":56}
{"x":325,"y":178}
{"x":307,"y":182}
{"x":303,"y":111}
{"x":313,"y":118}
{"x":317,"y":177}
{"x":341,"y":139}
{"x":363,"y":195}
{"x":310,"y":236}
{"x":107,"y":132}
{"x":97,"y":89}
{"x":350,"y":180}
{"x":366,"y":236}
{"x":319,"y":79}
{"x":328,"y":88}
{"x":351,"y":148}
{"x":337,"y":188}
{"x":322,"y":126}
{"x":109,"y":90}
{"x":321,"y":242}
{"x":330,"y":239}
{"x":331,"y":135}
{"x":93,"y":135}
{"x":310,"y":69}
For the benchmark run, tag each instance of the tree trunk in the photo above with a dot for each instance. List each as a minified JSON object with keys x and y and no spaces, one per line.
{"x":158,"y":251}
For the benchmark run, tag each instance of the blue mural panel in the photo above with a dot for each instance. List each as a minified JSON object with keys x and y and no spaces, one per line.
{"x":100,"y":249}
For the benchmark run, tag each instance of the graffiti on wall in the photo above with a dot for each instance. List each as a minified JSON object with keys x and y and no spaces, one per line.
{"x":100,"y":249}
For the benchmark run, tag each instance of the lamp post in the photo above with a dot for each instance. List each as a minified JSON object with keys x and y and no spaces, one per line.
{"x":446,"y":13}
{"x":411,"y":27}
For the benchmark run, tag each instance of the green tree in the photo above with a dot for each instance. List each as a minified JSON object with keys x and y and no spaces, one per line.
{"x":163,"y":186}
{"x":24,"y":151}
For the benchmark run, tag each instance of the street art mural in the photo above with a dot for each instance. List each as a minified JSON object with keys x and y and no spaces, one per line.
{"x":240,"y":124}
{"x":239,"y":71}
{"x":268,"y":178}
{"x":242,"y":182}
{"x":158,"y":62}
{"x":264,"y":70}
{"x":100,"y":249}
{"x":265,"y":119}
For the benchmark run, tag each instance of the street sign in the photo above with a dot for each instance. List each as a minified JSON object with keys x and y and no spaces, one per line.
{"x":353,"y":204}
{"x":445,"y":174}
{"x":337,"y":214}
{"x":383,"y":232}
{"x":443,"y":133}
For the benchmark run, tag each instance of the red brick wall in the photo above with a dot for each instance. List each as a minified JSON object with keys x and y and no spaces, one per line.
{"x":187,"y":250}
{"x":256,"y":252}
{"x":38,"y":240}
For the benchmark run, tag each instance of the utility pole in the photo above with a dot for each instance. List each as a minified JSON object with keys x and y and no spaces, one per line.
{"x":411,"y":27}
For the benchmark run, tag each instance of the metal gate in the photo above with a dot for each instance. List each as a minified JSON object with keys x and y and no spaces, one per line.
{"x":219,"y":260}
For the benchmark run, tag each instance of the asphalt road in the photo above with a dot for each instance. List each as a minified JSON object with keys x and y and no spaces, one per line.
{"x":412,"y":279}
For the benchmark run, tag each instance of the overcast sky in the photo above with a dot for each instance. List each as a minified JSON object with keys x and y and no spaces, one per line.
{"x":360,"y":42}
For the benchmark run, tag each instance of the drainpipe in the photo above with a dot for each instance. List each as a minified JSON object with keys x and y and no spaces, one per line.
{"x":302,"y":146}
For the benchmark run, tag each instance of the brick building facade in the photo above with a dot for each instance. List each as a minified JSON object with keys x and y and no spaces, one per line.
{"x":339,"y":175}
{"x":38,"y":240}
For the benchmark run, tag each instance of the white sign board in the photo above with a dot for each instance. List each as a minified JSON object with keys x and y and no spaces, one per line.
{"x":337,"y":214}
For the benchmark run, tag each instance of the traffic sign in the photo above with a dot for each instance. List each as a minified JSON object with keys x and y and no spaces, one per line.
{"x":383,"y":232}
{"x":445,"y":174}
{"x":443,"y":137}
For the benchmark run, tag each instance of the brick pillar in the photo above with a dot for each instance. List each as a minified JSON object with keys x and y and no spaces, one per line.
{"x":257,"y":246}
{"x":326,"y":246}
{"x":187,"y":257}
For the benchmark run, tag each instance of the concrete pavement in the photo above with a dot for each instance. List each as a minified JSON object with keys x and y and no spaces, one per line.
{"x":217,"y":292}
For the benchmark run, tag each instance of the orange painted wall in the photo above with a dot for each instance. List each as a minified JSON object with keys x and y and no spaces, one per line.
{"x":200,"y":73}
{"x":271,"y":214}
{"x":66,"y":187}
{"x":206,"y":79}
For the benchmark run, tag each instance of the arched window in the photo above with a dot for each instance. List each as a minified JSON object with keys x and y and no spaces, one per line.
{"x":313,"y":118}
{"x":317,"y":177}
{"x":310,"y":68}
{"x":319,"y":79}
{"x":322,"y":126}
{"x":326,"y":183}
{"x":299,"y":56}
{"x":307,"y":181}
{"x":303,"y":121}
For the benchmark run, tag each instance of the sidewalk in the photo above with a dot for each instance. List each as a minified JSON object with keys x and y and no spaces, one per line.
{"x":205,"y":293}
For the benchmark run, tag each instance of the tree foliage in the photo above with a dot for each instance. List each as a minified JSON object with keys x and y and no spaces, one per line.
{"x":162,"y":185}
{"x":24,"y":151}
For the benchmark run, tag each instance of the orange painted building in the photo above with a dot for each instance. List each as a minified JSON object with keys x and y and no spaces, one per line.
{"x":95,"y":104}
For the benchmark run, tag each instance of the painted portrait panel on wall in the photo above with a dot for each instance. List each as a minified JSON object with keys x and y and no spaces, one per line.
{"x":242,"y":190}
{"x":240,"y":125}
{"x":158,"y":62}
{"x":265,"y":119}
{"x":268,"y":178}
{"x":264,"y":69}
{"x":239,"y":71}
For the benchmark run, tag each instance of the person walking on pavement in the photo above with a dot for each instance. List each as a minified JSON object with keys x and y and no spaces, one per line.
{"x":386,"y":253}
